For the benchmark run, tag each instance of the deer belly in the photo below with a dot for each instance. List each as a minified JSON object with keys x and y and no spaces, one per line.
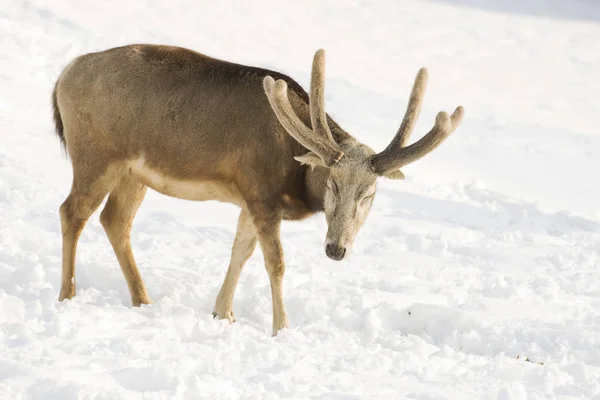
{"x":198,"y":190}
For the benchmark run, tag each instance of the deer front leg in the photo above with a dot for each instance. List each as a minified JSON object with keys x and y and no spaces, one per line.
{"x":267,"y":230}
{"x":243,"y":247}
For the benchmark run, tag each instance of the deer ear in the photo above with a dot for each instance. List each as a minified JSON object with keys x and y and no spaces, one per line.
{"x":397,"y":174}
{"x":311,"y":159}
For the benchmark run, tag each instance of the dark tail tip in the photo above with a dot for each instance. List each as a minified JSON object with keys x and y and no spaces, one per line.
{"x":58,"y":123}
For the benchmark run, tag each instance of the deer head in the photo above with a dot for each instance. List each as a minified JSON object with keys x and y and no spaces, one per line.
{"x":353,"y":167}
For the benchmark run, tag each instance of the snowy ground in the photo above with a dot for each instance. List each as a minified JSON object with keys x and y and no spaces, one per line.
{"x":488,"y":251}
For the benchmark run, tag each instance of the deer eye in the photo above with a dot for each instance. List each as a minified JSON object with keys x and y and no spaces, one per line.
{"x":364,"y":199}
{"x":331,"y":185}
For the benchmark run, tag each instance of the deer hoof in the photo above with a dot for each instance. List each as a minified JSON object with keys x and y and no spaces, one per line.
{"x":66,"y":293}
{"x":228,"y":315}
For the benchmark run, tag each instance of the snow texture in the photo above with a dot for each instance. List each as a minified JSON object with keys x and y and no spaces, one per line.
{"x":486,"y":255}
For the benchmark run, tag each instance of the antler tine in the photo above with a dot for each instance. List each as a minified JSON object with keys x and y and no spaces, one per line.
{"x":277,"y":93}
{"x":411,"y":115}
{"x":413,"y":109}
{"x":318,"y":117}
{"x":386,"y":162}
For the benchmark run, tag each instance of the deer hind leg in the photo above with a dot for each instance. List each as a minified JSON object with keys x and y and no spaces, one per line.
{"x":117,"y":219}
{"x":243,"y":247}
{"x":92,"y":180}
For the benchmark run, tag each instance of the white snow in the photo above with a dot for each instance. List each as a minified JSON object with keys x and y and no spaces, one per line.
{"x":489,"y":251}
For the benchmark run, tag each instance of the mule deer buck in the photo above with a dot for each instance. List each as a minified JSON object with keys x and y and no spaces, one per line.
{"x":194,"y":127}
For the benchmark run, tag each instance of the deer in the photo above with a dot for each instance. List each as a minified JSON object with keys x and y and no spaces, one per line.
{"x":195,"y":127}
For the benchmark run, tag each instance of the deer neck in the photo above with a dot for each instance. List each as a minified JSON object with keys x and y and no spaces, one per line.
{"x":316,"y":184}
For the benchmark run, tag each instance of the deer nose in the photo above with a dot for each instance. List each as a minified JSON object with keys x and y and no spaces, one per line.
{"x":335,"y":252}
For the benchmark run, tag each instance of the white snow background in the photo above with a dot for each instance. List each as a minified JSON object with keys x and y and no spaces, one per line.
{"x":489,"y":250}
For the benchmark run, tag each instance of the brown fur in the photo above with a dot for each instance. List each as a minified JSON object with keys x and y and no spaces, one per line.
{"x":194,"y":127}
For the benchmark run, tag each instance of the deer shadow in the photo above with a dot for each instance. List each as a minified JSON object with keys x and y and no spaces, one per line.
{"x":579,"y":10}
{"x":485,"y":211}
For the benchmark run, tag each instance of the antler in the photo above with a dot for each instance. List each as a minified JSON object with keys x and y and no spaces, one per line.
{"x":318,"y":140}
{"x":397,"y":154}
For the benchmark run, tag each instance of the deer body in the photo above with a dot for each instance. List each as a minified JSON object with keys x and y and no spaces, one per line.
{"x":183,"y":123}
{"x":197,"y":128}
